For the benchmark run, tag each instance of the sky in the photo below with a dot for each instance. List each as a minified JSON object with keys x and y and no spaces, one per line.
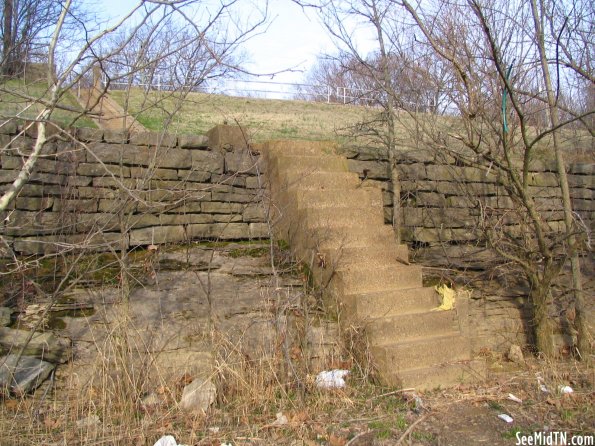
{"x":292,"y":40}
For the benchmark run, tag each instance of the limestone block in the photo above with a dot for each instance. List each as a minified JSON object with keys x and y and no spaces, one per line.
{"x":193,"y":141}
{"x":198,"y":176}
{"x":187,"y":207}
{"x":582,"y":169}
{"x":233,"y":197}
{"x":26,"y":223}
{"x":430,"y":199}
{"x":230,"y":180}
{"x":225,"y":231}
{"x":228,"y":137}
{"x":34,"y":203}
{"x":215,"y":207}
{"x":9,"y":127}
{"x":5,"y":314}
{"x":448,"y":188}
{"x":148,"y":173}
{"x":441,"y":173}
{"x":434,"y":235}
{"x":141,"y":156}
{"x":584,"y":181}
{"x":551,"y":204}
{"x":546,"y":192}
{"x":543,"y":179}
{"x":7,"y":176}
{"x":230,"y":231}
{"x":415,"y":171}
{"x":157,"y":235}
{"x":115,"y":136}
{"x":53,"y":244}
{"x":45,"y":346}
{"x":74,"y":181}
{"x":498,"y":202}
{"x":254,"y":213}
{"x":24,"y":376}
{"x":207,"y":161}
{"x":226,"y":218}
{"x":198,"y":395}
{"x":115,"y":206}
{"x":259,"y":230}
{"x":89,"y":134}
{"x":146,"y":220}
{"x":98,"y":170}
{"x":254,"y":182}
{"x":128,"y":183}
{"x":97,"y":192}
{"x":376,"y":170}
{"x":242,"y":161}
{"x":158,"y":139}
{"x":48,"y":178}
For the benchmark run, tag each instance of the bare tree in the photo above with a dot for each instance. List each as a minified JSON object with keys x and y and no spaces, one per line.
{"x":492,"y":50}
{"x":501,"y":69}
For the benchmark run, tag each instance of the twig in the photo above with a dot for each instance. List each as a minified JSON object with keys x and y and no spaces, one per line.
{"x":410,"y":428}
{"x":410,"y":389}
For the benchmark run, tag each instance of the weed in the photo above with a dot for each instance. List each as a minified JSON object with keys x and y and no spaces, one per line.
{"x":511,"y":433}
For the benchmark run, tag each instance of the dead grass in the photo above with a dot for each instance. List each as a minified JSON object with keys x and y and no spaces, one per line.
{"x":266,"y":118}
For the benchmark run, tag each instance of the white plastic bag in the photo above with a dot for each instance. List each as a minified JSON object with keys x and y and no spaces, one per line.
{"x":332,"y":379}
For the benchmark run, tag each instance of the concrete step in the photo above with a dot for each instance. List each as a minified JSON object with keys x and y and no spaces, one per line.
{"x":320,"y":180}
{"x":374,"y":254}
{"x":389,"y":330}
{"x":365,"y":278}
{"x":381,"y":304}
{"x":308,"y":164}
{"x":341,"y":217}
{"x":357,"y":199}
{"x":323,"y":237}
{"x":418,"y":353}
{"x":433,"y":377}
{"x":301,"y":148}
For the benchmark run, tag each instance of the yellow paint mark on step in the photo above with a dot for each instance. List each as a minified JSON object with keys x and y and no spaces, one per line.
{"x":447,"y":296}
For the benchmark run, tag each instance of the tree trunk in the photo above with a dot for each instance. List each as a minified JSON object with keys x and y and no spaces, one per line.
{"x":583,"y":343}
{"x":543,"y":327}
{"x":7,"y":39}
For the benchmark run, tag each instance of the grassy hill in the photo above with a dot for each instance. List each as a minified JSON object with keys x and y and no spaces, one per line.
{"x":15,"y":100}
{"x":266,"y":118}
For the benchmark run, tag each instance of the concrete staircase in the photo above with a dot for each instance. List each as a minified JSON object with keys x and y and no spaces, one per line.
{"x":336,"y":225}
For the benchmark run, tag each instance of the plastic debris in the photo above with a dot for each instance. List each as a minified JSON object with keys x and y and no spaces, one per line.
{"x":91,"y":420}
{"x":540,"y":383}
{"x":566,"y":389}
{"x":447,"y":295}
{"x":281,"y":420}
{"x":419,"y":404}
{"x":505,"y":417}
{"x":333,"y":379}
{"x":514,"y":398}
{"x":167,"y":440}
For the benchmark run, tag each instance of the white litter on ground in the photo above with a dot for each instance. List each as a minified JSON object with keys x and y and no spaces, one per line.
{"x":332,"y":379}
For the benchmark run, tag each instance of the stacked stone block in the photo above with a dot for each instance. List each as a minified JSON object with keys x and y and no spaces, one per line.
{"x":103,"y":188}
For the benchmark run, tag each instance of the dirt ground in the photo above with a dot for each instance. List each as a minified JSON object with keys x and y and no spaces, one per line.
{"x":266,"y":396}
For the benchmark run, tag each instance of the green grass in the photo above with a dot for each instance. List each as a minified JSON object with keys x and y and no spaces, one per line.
{"x":269,"y":119}
{"x":14,"y":103}
{"x":266,"y":118}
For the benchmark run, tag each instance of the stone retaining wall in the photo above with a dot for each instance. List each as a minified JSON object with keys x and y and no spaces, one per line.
{"x":104,"y":189}
{"x":443,"y":204}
